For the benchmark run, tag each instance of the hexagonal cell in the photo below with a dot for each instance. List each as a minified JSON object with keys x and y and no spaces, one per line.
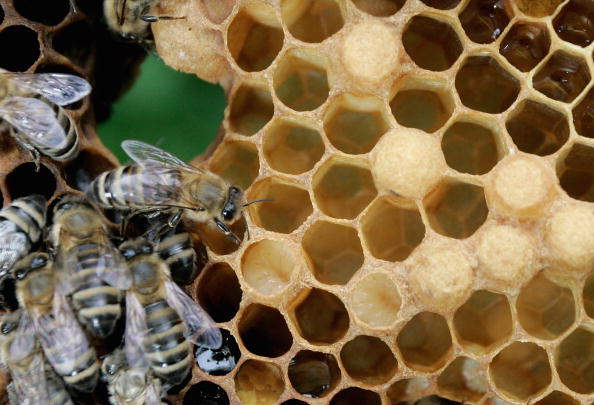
{"x":379,"y":8}
{"x":216,"y":240}
{"x":356,"y":396}
{"x":562,"y":77}
{"x":42,"y":11}
{"x":267,"y":266}
{"x":289,"y":208}
{"x":422,"y":104}
{"x":369,"y":360}
{"x":219,"y":361}
{"x":557,"y":398}
{"x":25,"y":180}
{"x":259,"y":383}
{"x":431,"y":44}
{"x":575,"y":362}
{"x":300,"y":80}
{"x":392,"y":228}
{"x":293,"y":147}
{"x":354,"y":124}
{"x":264,"y":331}
{"x":484,"y":20}
{"x":313,"y":374}
{"x":334,"y":252}
{"x":217,"y":10}
{"x":525,"y":45}
{"x":18,"y":58}
{"x":312,"y":20}
{"x":588,"y":296}
{"x":219,"y":292}
{"x":255,"y":37}
{"x":376,"y":300}
{"x":425,"y":342}
{"x":250,"y":109}
{"x":583,"y":115}
{"x":545,"y":309}
{"x":576,"y":172}
{"x":206,"y":392}
{"x":538,"y":8}
{"x":575,"y":22}
{"x":484,"y":85}
{"x":521,"y":370}
{"x":537,"y":128}
{"x":483,"y":322}
{"x":471,"y":148}
{"x":456,"y":209}
{"x":343,"y":188}
{"x":442,"y":4}
{"x":464,"y":380}
{"x":236,"y":162}
{"x":320,"y":316}
{"x":406,"y":390}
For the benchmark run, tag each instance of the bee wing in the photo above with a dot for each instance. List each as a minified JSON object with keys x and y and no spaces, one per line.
{"x":13,"y":246}
{"x":34,"y":120}
{"x":200,"y":328}
{"x":59,"y":88}
{"x":112,"y":268}
{"x":152,"y":394}
{"x":30,"y":385}
{"x":24,"y":339}
{"x":146,"y":154}
{"x":135,"y":333}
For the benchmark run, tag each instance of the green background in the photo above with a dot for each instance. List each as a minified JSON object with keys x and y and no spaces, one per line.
{"x":178,"y":110}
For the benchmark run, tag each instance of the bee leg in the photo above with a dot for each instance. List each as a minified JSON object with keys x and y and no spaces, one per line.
{"x":223,"y":228}
{"x":174,"y":219}
{"x":35,"y":157}
{"x":155,"y":18}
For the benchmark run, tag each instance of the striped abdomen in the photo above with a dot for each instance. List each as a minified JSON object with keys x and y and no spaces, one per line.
{"x":97,"y":304}
{"x":79,"y":369}
{"x":165,"y":346}
{"x":28,"y":216}
{"x":178,"y":252}
{"x":71,"y":148}
{"x":57,"y":393}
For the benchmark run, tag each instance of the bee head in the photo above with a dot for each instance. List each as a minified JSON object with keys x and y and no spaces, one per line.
{"x":32,"y":262}
{"x":8,"y":325}
{"x":232,"y":205}
{"x":131,"y":249}
{"x":66,"y":202}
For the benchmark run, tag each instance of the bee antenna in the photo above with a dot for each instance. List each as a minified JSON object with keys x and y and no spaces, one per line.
{"x":258,"y":201}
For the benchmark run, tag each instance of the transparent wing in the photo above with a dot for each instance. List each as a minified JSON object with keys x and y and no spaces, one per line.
{"x":59,"y":88}
{"x":30,"y":384}
{"x":24,"y":340}
{"x":152,"y":394}
{"x":136,"y":331}
{"x":34,"y":120}
{"x":13,"y":246}
{"x":146,"y":154}
{"x":200,"y":328}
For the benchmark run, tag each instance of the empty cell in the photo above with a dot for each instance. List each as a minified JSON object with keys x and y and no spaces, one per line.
{"x":268,"y":265}
{"x":25,"y":180}
{"x":583,"y":115}
{"x":464,"y":380}
{"x":392,"y":230}
{"x":521,"y":370}
{"x":456,"y":209}
{"x":217,"y":10}
{"x":18,"y":58}
{"x":292,"y":147}
{"x":588,"y":296}
{"x":525,"y":45}
{"x":441,"y":4}
{"x":334,"y":252}
{"x":422,"y":108}
{"x":313,"y":374}
{"x":320,"y":316}
{"x":219,"y":292}
{"x":562,"y":77}
{"x":250,"y":109}
{"x":575,"y":22}
{"x":470,"y":148}
{"x":537,"y":128}
{"x":206,"y":392}
{"x":236,"y":162}
{"x":289,"y":207}
{"x":264,"y":332}
{"x":409,"y":389}
{"x":80,"y":172}
{"x":356,"y":396}
{"x":259,"y":383}
{"x":41,"y":11}
{"x":255,"y":37}
{"x":379,"y":8}
{"x":425,"y":342}
{"x":545,"y":309}
{"x":312,"y":20}
{"x":75,"y":42}
{"x":369,"y":360}
{"x":294,"y":402}
{"x":576,"y":173}
{"x":484,"y":85}
{"x":431,"y":44}
{"x":484,"y":20}
{"x":376,"y":300}
{"x":483,"y":322}
{"x":557,"y":398}
{"x":343,"y":188}
{"x":354,"y":124}
{"x":575,"y":361}
{"x":300,"y":81}
{"x":220,"y":361}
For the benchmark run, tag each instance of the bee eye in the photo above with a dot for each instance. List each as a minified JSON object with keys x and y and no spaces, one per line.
{"x":20,"y":274}
{"x":227,"y":215}
{"x":128,"y":253}
{"x":147,"y":248}
{"x":38,"y":262}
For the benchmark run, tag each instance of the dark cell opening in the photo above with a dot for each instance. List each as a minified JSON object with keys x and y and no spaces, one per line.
{"x":74,"y":41}
{"x":313,"y":374}
{"x":25,"y":180}
{"x":356,"y":396}
{"x":219,"y":292}
{"x":18,"y":58}
{"x":264,"y":331}
{"x":43,"y":11}
{"x":206,"y":393}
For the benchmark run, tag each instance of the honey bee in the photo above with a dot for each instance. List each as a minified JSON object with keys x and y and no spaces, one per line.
{"x":88,"y":264}
{"x":34,"y":124}
{"x":161,"y":320}
{"x":46,"y":312}
{"x":177,"y":250}
{"x":33,"y":380}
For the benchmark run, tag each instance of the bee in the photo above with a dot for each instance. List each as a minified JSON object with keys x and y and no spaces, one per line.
{"x":130,"y":386}
{"x":33,"y":380}
{"x":21,"y":227}
{"x":88,"y":264}
{"x":177,"y":250}
{"x":46,"y":312}
{"x":161,"y":320}
{"x":34,"y":124}
{"x":159,"y":180}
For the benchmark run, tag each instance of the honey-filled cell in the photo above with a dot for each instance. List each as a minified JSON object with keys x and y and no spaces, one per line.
{"x":575,"y":22}
{"x":484,"y":20}
{"x":562,"y":77}
{"x":576,"y":172}
{"x":314,"y":374}
{"x":525,"y":45}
